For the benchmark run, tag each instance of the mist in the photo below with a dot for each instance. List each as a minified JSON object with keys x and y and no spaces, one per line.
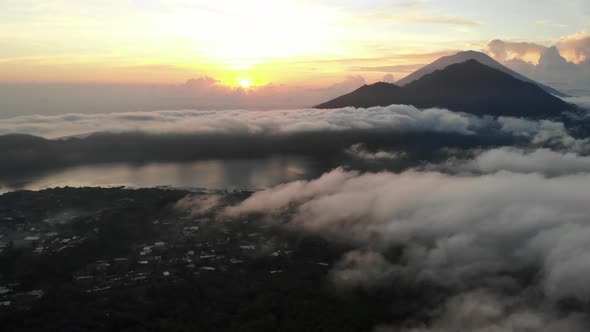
{"x":206,"y":93}
{"x":501,"y":234}
{"x":394,"y":117}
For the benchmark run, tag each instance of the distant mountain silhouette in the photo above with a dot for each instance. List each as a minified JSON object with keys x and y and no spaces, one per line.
{"x":472,"y":55}
{"x":469,"y":87}
{"x":367,"y":96}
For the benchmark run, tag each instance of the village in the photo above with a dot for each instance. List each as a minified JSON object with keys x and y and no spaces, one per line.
{"x":79,"y":247}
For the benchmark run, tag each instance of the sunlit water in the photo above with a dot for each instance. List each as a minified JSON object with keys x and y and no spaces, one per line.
{"x":215,"y":174}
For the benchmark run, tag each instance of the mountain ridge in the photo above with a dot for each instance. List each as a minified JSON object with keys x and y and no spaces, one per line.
{"x":482,"y":58}
{"x":470,"y":87}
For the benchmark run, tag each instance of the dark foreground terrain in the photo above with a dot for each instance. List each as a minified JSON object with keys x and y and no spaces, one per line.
{"x":93,"y":259}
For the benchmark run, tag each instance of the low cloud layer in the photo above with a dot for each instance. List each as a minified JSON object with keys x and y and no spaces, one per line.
{"x":582,"y":101}
{"x":362,"y":268}
{"x":543,"y":161}
{"x":545,"y":132}
{"x":394,"y":117}
{"x":396,"y":138}
{"x":485,"y":311}
{"x":359,"y":151}
{"x":198,"y":204}
{"x":506,"y":233}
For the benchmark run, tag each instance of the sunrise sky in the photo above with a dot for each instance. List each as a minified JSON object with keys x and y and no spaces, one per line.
{"x":256,"y":42}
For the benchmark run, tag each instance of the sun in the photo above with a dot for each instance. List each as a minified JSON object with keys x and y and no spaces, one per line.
{"x":245,"y":83}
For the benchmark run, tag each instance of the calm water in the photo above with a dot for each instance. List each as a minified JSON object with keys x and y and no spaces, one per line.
{"x":215,"y":174}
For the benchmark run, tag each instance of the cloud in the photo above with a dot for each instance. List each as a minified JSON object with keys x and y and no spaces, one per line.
{"x":388,"y":78}
{"x":200,"y":93}
{"x":198,"y":204}
{"x":362,"y":268}
{"x":583,"y":101}
{"x":396,"y":137}
{"x":396,"y":68}
{"x":576,"y":48}
{"x":456,"y":231}
{"x":544,"y":132}
{"x":484,"y":311}
{"x":413,"y":135}
{"x":503,"y":50}
{"x":544,"y":161}
{"x":394,"y":117}
{"x":421,"y":18}
{"x":359,"y":151}
{"x":564,"y":66}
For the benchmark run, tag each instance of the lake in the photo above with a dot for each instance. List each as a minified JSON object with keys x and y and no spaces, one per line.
{"x":248,"y":174}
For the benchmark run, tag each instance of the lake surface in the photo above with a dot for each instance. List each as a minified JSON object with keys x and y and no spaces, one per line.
{"x":214,"y":174}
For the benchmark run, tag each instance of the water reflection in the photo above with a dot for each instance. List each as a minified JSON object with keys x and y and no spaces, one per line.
{"x":214,"y":174}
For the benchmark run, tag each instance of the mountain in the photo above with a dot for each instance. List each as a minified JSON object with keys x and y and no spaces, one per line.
{"x":469,"y":87}
{"x":77,"y":136}
{"x":472,"y":55}
{"x":367,"y":96}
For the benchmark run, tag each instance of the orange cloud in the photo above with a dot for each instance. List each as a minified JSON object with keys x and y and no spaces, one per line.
{"x":575,"y":48}
{"x":200,"y":93}
{"x":505,"y":51}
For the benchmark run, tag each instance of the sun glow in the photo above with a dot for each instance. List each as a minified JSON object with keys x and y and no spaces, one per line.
{"x":245,"y":83}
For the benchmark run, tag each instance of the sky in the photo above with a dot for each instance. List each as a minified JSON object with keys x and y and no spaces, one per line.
{"x":61,"y":56}
{"x":494,"y":211}
{"x":258,"y":42}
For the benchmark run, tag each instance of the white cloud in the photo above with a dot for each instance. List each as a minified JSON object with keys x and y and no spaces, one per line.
{"x":544,"y":161}
{"x":362,"y":268}
{"x":582,"y":101}
{"x":544,"y":132}
{"x":458,"y":231}
{"x":359,"y":151}
{"x":564,"y":66}
{"x":505,"y":50}
{"x":576,"y":47}
{"x":394,"y":117}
